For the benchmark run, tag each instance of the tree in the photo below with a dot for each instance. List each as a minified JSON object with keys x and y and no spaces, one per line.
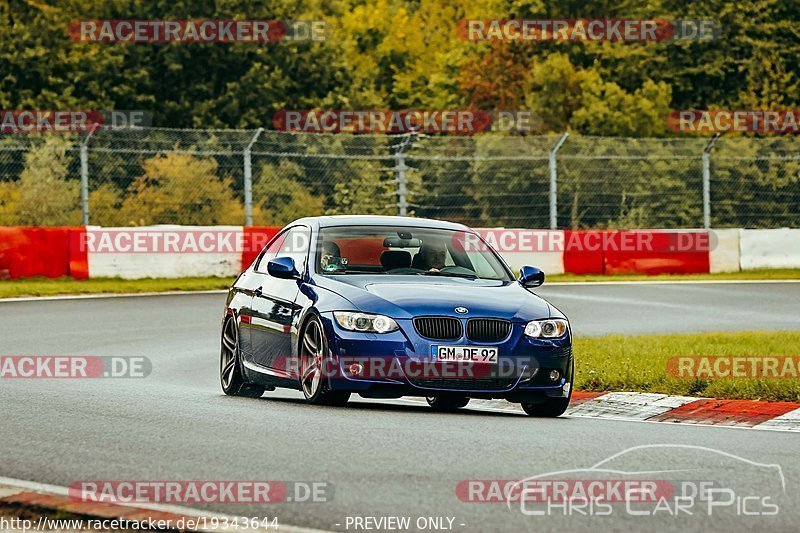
{"x":179,"y":188}
{"x":280,"y":196}
{"x":45,"y":196}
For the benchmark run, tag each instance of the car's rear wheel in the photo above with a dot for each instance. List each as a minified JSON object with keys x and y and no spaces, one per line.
{"x":314,"y":360}
{"x":447,"y":403}
{"x":231,"y":376}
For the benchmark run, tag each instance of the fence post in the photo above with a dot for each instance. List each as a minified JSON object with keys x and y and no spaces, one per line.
{"x":85,"y":177}
{"x":248,"y":180}
{"x":400,"y":174}
{"x":707,"y":181}
{"x":554,"y":181}
{"x":402,"y":183}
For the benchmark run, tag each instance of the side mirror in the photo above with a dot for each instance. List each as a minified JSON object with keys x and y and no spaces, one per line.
{"x":530,"y":277}
{"x":282,"y":268}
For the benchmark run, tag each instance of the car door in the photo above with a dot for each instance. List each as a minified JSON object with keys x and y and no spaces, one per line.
{"x":252,"y":279}
{"x":274,"y":307}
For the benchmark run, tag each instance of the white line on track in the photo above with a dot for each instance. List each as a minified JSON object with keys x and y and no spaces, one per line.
{"x":107,"y":295}
{"x":547,"y":284}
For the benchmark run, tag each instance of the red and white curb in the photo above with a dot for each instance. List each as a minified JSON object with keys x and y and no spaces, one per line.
{"x":651,"y":407}
{"x":52,"y":498}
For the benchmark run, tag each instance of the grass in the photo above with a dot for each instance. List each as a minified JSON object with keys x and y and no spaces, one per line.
{"x":49,"y":287}
{"x":639,"y":363}
{"x":764,"y":274}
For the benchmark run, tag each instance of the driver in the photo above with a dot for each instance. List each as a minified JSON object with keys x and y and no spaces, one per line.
{"x":330,"y":258}
{"x":430,"y":257}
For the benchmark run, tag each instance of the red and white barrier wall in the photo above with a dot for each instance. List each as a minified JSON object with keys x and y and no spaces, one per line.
{"x":181,"y":251}
{"x":29,"y":252}
{"x":609,"y":252}
{"x":769,"y":248}
{"x":172,"y":251}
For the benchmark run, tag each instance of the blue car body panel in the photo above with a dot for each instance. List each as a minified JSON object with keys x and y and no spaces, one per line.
{"x":270,"y":322}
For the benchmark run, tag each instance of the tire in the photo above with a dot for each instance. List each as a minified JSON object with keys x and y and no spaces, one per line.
{"x":313,"y":353}
{"x":550,"y":408}
{"x":231,"y":376}
{"x":447,"y":403}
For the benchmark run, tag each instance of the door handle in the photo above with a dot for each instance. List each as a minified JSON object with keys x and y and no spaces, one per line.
{"x":258,"y":292}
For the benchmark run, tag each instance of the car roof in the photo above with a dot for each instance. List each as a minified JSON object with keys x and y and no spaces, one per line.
{"x":375,"y":220}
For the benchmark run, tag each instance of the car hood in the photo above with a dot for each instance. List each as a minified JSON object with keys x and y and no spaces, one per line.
{"x":401,"y":297}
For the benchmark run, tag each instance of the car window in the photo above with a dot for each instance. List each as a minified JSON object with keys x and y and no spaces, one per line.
{"x":479,"y":263}
{"x":407,"y":251}
{"x":269,"y":252}
{"x":296,"y":245}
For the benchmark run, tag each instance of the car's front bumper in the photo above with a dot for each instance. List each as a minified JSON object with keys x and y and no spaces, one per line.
{"x":400,"y":364}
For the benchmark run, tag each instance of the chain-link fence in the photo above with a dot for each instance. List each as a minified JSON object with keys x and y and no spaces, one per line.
{"x":165,"y":176}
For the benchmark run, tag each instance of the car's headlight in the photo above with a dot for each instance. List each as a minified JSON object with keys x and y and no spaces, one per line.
{"x":551,"y":328}
{"x":365,"y":322}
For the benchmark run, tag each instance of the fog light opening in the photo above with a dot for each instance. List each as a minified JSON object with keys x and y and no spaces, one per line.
{"x":555,"y":375}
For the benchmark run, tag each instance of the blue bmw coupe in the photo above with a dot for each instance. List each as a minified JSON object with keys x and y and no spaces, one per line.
{"x":388,"y":307}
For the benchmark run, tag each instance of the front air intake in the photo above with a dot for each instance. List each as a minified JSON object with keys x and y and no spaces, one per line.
{"x":440,"y":328}
{"x":487,"y":329}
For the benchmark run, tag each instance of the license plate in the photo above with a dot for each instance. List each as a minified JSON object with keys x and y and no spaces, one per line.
{"x":475,"y":354}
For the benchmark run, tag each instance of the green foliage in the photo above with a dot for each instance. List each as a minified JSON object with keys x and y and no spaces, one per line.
{"x":44,"y":194}
{"x":281,"y":197}
{"x":396,"y":54}
{"x":180,"y":189}
{"x":363,"y":191}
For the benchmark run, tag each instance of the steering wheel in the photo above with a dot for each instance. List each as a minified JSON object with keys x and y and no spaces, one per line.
{"x":457,"y":270}
{"x":403,"y":270}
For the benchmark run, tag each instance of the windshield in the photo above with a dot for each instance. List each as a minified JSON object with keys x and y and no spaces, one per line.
{"x":406,"y":251}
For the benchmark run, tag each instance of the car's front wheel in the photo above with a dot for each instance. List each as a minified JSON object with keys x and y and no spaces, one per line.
{"x":447,"y":403}
{"x":550,"y":408}
{"x":230,"y":371}
{"x":314,"y":360}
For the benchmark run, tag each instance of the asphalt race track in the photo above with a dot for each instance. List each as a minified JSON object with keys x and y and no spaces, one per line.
{"x":390,"y":458}
{"x":635,"y":309}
